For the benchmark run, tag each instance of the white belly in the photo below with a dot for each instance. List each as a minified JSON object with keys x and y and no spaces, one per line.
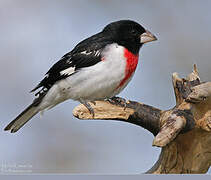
{"x":101,"y":80}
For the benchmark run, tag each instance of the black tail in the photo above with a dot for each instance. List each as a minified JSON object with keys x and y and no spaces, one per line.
{"x":22,"y":119}
{"x":27,"y":114}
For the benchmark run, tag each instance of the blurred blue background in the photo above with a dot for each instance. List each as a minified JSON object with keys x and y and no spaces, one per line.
{"x":35,"y":34}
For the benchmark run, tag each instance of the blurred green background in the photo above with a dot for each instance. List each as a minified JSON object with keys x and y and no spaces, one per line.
{"x":35,"y":34}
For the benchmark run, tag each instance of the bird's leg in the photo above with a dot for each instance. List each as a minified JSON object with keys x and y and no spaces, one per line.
{"x":117,"y":101}
{"x":88,"y":106}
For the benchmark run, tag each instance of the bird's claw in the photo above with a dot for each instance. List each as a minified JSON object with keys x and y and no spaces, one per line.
{"x":118,"y":101}
{"x":89,"y":107}
{"x":91,"y":110}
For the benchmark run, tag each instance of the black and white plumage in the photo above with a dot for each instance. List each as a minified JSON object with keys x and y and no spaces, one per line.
{"x":81,"y":56}
{"x":99,"y":67}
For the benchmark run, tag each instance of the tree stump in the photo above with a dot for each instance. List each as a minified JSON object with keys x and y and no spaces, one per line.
{"x":182,"y":132}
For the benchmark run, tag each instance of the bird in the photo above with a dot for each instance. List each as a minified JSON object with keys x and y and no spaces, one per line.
{"x":97,"y":68}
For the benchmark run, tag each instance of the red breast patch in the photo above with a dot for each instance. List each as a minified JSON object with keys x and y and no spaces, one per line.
{"x":131,"y":63}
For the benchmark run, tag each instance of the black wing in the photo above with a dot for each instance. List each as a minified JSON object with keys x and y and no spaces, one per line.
{"x":85,"y":54}
{"x":68,"y":65}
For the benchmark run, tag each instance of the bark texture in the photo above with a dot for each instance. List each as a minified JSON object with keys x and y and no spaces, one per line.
{"x":183,"y":132}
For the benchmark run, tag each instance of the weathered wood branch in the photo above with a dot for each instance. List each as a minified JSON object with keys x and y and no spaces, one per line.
{"x":134,"y":112}
{"x":183,"y":132}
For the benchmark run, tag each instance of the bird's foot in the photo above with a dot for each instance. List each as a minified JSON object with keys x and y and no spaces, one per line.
{"x":118,"y":101}
{"x":89,"y":107}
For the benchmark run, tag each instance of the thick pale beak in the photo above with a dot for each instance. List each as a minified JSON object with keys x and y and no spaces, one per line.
{"x":147,"y":37}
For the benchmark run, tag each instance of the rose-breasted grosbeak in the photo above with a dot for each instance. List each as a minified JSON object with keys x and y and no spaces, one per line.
{"x":98,"y":68}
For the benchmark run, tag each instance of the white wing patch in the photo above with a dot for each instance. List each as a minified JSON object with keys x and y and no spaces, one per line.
{"x":68,"y":71}
{"x":69,"y":61}
{"x":86,"y":53}
{"x":96,"y":53}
